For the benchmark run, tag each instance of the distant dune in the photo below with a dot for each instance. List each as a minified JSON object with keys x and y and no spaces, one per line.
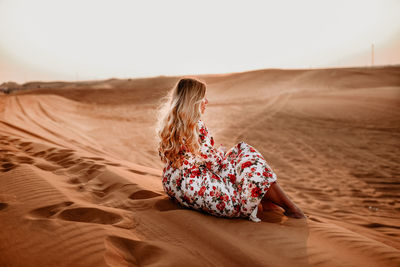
{"x":80,"y":175}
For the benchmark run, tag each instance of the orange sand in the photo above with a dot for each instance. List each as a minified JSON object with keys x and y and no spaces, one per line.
{"x":80,"y":176}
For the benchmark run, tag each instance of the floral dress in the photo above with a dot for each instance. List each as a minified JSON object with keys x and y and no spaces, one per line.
{"x":224,"y":185}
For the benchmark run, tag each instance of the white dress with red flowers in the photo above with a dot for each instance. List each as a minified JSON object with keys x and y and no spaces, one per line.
{"x":224,"y":185}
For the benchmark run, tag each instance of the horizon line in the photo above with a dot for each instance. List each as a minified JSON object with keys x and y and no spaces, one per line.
{"x":199,"y":74}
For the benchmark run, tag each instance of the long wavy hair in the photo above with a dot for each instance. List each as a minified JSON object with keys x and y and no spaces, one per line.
{"x":177,"y":123}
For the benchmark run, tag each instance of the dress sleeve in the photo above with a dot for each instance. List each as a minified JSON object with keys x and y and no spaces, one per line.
{"x":211,"y":156}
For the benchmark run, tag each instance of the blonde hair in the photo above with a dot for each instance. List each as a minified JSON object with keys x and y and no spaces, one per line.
{"x":178,"y":117}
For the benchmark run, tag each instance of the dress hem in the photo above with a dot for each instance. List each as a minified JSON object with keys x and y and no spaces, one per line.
{"x":253,"y":216}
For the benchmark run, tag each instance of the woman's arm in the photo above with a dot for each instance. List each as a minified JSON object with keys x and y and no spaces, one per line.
{"x":211,"y":156}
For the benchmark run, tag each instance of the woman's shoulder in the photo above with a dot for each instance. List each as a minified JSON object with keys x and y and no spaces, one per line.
{"x":201,"y":124}
{"x":202,"y":127}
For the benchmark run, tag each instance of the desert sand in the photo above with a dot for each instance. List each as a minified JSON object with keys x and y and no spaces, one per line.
{"x":80,"y":177}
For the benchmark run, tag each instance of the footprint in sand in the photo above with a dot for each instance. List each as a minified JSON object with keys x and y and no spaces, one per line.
{"x":49,"y":211}
{"x":3,"y":205}
{"x":138,"y":172}
{"x":69,"y":162}
{"x":99,"y":216}
{"x":74,"y":180}
{"x":7,"y":166}
{"x":166,"y":204}
{"x":58,"y":156}
{"x":24,"y":144}
{"x":52,"y":159}
{"x":104,"y":191}
{"x":10,"y":161}
{"x":144,"y":194}
{"x":23,"y":159}
{"x":130,"y":252}
{"x":89,"y":215}
{"x":64,"y":211}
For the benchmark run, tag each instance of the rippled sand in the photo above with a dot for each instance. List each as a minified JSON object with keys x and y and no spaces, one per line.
{"x":80,"y":176}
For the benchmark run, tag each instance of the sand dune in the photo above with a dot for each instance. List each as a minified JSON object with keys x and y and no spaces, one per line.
{"x":80,"y":176}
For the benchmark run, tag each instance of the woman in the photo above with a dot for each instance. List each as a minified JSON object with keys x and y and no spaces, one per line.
{"x":198,"y":175}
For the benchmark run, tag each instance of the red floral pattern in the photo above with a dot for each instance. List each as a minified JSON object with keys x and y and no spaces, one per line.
{"x":225,"y":185}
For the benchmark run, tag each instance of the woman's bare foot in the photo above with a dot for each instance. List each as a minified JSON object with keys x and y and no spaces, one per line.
{"x":294,"y":212}
{"x":268,"y":205}
{"x":276,"y":195}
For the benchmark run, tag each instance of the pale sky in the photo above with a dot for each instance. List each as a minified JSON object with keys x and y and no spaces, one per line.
{"x":85,"y":40}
